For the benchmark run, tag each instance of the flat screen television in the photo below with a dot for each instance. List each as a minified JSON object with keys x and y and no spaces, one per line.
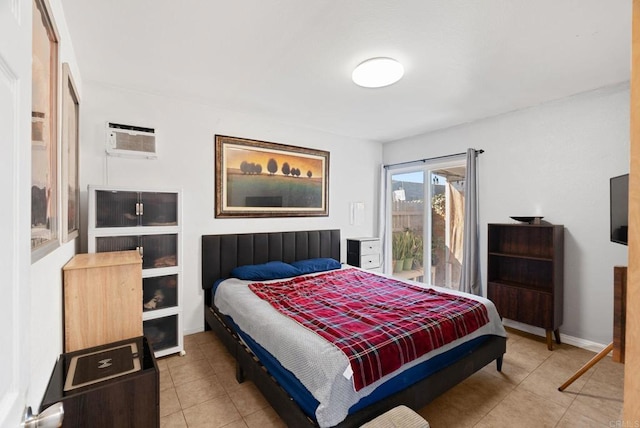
{"x":619,"y":187}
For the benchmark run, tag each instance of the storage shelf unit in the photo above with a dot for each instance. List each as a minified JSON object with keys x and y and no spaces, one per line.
{"x":148,"y":221}
{"x":525,"y":274}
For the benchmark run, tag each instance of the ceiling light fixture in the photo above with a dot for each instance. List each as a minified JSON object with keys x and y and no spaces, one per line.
{"x":377,"y":72}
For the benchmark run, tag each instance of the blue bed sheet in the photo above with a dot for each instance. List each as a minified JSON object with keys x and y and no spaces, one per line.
{"x":308,"y":403}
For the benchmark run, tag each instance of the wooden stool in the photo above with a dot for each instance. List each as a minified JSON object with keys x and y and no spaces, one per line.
{"x":398,"y":417}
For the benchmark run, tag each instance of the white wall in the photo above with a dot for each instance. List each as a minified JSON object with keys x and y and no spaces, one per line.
{"x":185,"y":140}
{"x":553,"y":160}
{"x":45,"y":283}
{"x":47,"y":325}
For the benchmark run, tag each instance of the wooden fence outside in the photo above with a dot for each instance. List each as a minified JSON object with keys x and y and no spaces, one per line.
{"x":407,"y":215}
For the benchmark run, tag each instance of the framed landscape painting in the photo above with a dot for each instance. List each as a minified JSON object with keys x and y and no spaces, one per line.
{"x":44,"y":132}
{"x":69,"y":161}
{"x":262,"y":179}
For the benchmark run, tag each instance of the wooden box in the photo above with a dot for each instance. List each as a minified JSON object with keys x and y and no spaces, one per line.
{"x":128,"y":401}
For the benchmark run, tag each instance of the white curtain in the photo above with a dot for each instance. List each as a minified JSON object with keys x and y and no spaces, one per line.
{"x":384,"y":219}
{"x":470,"y":280}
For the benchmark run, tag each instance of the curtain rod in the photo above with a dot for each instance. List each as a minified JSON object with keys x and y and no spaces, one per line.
{"x":434,"y":158}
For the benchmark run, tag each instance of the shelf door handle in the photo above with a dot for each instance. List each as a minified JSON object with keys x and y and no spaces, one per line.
{"x":141,"y":208}
{"x":137,"y":208}
{"x":141,"y":251}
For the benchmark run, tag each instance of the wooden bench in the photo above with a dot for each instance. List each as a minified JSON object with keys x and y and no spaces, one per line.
{"x":398,"y":417}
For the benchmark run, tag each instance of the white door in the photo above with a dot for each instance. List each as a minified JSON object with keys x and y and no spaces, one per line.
{"x":15,"y":194}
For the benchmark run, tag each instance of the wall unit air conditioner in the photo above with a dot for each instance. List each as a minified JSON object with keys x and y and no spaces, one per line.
{"x":131,"y":141}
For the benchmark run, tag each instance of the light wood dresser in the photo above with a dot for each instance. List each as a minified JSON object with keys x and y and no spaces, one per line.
{"x":102,"y":299}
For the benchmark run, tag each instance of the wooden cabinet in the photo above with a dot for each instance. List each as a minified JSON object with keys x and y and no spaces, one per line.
{"x":124,"y":392}
{"x":148,"y":221}
{"x":102,"y":294}
{"x":364,"y":253}
{"x":619,"y":312}
{"x":525,"y":274}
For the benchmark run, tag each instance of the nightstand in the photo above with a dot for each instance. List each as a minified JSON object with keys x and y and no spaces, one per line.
{"x":364,"y":253}
{"x":113,"y":385}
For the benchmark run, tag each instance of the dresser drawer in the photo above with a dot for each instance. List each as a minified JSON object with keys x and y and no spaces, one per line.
{"x":370,"y":261}
{"x":369,"y":247}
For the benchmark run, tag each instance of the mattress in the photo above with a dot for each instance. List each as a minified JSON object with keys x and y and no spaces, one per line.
{"x":319,"y":367}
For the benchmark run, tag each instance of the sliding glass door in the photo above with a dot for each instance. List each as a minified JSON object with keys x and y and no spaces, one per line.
{"x":427,"y":218}
{"x":408,"y":221}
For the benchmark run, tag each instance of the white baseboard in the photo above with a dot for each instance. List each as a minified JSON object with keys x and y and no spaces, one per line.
{"x":192,"y":331}
{"x":565,"y":338}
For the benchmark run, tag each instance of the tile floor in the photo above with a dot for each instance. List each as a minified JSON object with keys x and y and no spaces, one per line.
{"x":200,"y":390}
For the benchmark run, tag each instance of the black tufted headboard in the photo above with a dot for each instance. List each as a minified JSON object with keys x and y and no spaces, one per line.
{"x":222,"y":253}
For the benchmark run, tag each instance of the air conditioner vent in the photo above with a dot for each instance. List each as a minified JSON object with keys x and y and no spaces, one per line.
{"x":136,"y":143}
{"x":131,"y":141}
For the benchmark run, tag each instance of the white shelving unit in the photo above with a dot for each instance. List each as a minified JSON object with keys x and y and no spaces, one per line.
{"x":147,"y":220}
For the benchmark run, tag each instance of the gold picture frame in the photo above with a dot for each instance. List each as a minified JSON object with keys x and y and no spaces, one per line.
{"x":70,"y":131}
{"x":44,"y":132}
{"x":261,"y":179}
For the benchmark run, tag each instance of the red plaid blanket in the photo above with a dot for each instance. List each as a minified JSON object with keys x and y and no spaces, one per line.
{"x":379,"y":323}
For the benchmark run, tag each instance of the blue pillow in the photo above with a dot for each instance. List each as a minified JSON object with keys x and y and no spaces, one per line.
{"x":264,"y":272}
{"x":316,"y":265}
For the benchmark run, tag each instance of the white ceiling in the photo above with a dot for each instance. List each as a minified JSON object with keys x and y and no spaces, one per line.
{"x":291,"y":60}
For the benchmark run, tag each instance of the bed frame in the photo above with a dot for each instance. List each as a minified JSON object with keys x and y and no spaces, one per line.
{"x":221,"y":253}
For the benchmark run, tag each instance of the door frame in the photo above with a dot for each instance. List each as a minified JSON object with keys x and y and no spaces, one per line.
{"x":15,"y":170}
{"x":427,"y":168}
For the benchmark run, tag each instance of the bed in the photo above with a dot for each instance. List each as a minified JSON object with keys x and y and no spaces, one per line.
{"x":222,"y":253}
